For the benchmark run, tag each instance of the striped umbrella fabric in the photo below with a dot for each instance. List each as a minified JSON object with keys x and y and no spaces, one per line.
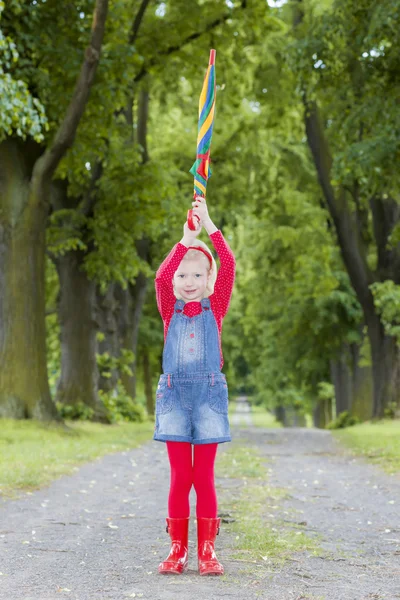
{"x":201,"y":167}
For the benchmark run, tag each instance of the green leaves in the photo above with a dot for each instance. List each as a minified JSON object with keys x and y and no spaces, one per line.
{"x":21,"y":113}
{"x":64,"y":231}
{"x":387,"y":301}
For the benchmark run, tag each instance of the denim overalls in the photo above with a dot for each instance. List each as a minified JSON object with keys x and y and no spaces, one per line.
{"x":192,"y":393}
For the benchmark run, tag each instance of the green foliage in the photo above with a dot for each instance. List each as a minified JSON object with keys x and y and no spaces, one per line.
{"x":133,"y":201}
{"x":344,"y":419}
{"x":64,"y":232}
{"x":391,"y":410}
{"x":120,"y":406}
{"x":387,"y":301}
{"x":346,"y":58}
{"x":301,"y":307}
{"x":107,"y":363}
{"x":21,"y":113}
{"x":79,"y":411}
{"x":326,"y":391}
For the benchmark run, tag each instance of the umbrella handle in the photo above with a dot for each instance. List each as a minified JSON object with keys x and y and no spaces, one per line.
{"x":193,"y":226}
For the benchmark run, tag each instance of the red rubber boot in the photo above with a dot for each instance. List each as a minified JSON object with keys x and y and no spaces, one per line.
{"x":177,"y":559}
{"x":207,"y":531}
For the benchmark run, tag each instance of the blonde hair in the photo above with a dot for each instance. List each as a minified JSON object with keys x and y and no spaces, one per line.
{"x":190,"y":254}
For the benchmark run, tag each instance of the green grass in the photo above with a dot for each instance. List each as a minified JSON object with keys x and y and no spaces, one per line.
{"x":258,"y":539}
{"x":379,"y":442}
{"x":33,"y":454}
{"x":240,"y":462}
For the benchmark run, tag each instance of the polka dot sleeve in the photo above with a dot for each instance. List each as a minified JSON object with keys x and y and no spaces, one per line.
{"x":226,"y":274}
{"x":163,"y":281}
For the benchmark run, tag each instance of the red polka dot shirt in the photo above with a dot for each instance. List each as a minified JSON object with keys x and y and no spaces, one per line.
{"x":223,"y":287}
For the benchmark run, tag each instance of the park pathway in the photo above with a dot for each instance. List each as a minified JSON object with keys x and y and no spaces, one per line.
{"x":99,"y":533}
{"x":242,"y":414}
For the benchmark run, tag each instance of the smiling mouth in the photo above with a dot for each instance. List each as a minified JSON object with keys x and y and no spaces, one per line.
{"x":189,"y":291}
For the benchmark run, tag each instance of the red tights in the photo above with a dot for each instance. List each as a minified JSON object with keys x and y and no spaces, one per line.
{"x":185,"y":473}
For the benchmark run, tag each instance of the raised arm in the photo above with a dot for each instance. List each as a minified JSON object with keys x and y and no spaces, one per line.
{"x":163,"y":281}
{"x":226,"y":274}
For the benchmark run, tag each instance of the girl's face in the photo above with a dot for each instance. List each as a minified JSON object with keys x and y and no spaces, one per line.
{"x":190,"y":279}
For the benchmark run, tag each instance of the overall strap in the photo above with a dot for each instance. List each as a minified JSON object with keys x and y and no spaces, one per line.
{"x":206,"y":304}
{"x":178,"y":306}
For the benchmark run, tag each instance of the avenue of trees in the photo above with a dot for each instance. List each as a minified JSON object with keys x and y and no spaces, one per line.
{"x":98,"y":122}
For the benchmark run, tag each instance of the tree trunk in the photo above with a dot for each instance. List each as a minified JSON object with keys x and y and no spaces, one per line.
{"x":131,"y":305}
{"x":293,"y":418}
{"x":148,"y":387}
{"x":385,"y":367}
{"x":24,"y":389}
{"x":107,"y":308}
{"x":353,"y":383}
{"x":25,"y":182}
{"x":280,"y":413}
{"x":341,"y":377}
{"x":79,"y":374}
{"x":354,"y":253}
{"x":362,"y":385}
{"x":322,"y":413}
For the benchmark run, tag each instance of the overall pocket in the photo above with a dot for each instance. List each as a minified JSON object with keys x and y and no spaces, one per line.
{"x":218,"y":397}
{"x":164,"y":398}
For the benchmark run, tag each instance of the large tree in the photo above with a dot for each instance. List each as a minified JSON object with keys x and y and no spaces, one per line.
{"x":346,"y":59}
{"x":27,"y":168}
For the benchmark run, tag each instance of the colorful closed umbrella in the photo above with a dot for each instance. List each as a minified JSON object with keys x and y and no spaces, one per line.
{"x":201,"y":167}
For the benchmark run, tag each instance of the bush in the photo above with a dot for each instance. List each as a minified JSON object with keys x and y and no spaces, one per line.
{"x":390,"y":411}
{"x":345,"y":419}
{"x":121,"y":407}
{"x":76,"y":412}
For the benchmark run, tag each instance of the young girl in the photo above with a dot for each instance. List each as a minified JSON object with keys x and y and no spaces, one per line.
{"x":192,"y":394}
